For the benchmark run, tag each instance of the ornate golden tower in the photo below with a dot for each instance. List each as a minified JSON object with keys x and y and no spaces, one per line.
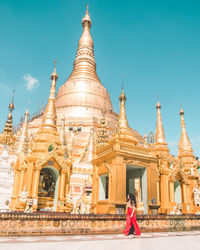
{"x":160,"y":141}
{"x":185,"y":147}
{"x":22,"y":143}
{"x":43,"y":176}
{"x":7,"y":137}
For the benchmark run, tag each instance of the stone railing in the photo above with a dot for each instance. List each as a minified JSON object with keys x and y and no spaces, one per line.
{"x":63,"y":224}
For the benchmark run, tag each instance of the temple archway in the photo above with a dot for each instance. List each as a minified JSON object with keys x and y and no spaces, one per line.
{"x":136,"y":182}
{"x":177,"y":191}
{"x":48,"y":189}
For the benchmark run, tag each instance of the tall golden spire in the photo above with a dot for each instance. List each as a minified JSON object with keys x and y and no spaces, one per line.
{"x":47,"y":135}
{"x":23,"y":140}
{"x":84,"y":64}
{"x":123,"y":122}
{"x":159,"y":134}
{"x":185,"y":147}
{"x":123,"y":128}
{"x":49,"y":116}
{"x":7,"y":137}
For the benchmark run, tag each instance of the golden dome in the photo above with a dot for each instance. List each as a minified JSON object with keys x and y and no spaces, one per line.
{"x":83,"y":88}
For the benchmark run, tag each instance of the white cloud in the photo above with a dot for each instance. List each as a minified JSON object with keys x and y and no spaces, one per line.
{"x":31,"y":82}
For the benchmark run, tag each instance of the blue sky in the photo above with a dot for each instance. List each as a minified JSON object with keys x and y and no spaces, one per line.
{"x":154,"y":44}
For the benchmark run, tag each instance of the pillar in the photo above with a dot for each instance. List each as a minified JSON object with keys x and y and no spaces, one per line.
{"x":15,"y":190}
{"x":172,"y":195}
{"x":185,"y":205}
{"x":158,"y":191}
{"x":21,"y":181}
{"x":164,"y":193}
{"x":61,"y":196}
{"x":35,"y":189}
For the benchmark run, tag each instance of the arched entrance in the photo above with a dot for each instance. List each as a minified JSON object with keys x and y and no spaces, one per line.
{"x":177,"y":191}
{"x":48,"y":189}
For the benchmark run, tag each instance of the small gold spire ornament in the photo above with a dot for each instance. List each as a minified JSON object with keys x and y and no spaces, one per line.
{"x":123,"y":122}
{"x":84,"y":63}
{"x":22,"y":144}
{"x":122,"y":127}
{"x":49,"y":116}
{"x":185,"y":147}
{"x":7,"y":137}
{"x":159,"y":134}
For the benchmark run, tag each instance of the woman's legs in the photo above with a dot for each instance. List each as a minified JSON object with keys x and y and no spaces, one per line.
{"x":135,"y":224}
{"x":128,"y":225}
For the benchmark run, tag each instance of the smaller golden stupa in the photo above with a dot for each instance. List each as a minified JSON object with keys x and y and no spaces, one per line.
{"x":7,"y":137}
{"x":42,"y":177}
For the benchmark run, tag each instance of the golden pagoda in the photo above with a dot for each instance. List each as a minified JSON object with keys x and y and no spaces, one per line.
{"x":75,"y":141}
{"x":42,"y":177}
{"x":79,"y":101}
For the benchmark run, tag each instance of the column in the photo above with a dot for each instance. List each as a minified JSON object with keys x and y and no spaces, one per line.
{"x":35,"y":189}
{"x":185,"y":206}
{"x":184,"y":193}
{"x":164,"y":193}
{"x":158,"y":191}
{"x":14,"y":191}
{"x":36,"y":183}
{"x":16,"y":180}
{"x":172,"y":193}
{"x":21,"y":181}
{"x":62,"y":186}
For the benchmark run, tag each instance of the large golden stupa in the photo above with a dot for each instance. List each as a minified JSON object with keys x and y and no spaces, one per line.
{"x":79,"y":156}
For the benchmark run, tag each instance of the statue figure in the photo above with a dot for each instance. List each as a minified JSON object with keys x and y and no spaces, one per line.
{"x":24,"y":195}
{"x":22,"y":199}
{"x":192,"y":171}
{"x":29,"y":206}
{"x":196,"y":192}
{"x":41,"y":183}
{"x":52,"y":188}
{"x":69,"y":199}
{"x":69,"y":203}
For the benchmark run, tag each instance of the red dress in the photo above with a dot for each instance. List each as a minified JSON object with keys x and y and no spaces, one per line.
{"x":131,"y":221}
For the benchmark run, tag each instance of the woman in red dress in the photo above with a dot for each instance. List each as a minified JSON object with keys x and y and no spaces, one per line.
{"x":131,"y":217}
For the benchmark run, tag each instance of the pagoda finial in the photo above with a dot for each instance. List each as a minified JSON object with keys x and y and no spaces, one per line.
{"x":123,"y":122}
{"x":23,"y":140}
{"x":11,"y":106}
{"x":86,"y":19}
{"x":159,"y":134}
{"x":185,"y":146}
{"x":84,"y":64}
{"x":49,"y":116}
{"x":7,"y":137}
{"x":54,"y":74}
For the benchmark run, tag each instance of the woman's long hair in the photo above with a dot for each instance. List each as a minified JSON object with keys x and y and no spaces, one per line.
{"x":132,"y":199}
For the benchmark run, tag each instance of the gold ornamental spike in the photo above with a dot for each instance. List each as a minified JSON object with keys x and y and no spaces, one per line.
{"x":49,"y":116}
{"x":23,"y":140}
{"x":159,"y":134}
{"x":185,"y":146}
{"x":6,"y":137}
{"x":123,"y":122}
{"x":84,"y":64}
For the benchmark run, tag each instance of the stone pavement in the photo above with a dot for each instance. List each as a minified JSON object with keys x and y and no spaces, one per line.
{"x":163,"y":240}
